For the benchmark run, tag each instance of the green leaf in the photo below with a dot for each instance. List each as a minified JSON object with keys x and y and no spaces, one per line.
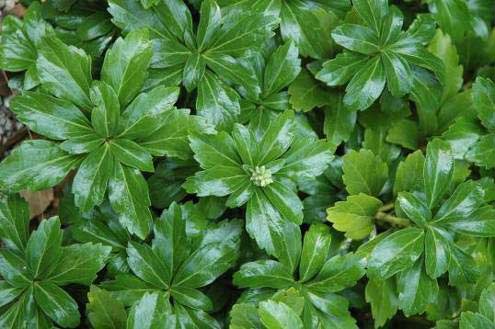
{"x":364,"y":172}
{"x":437,"y":172}
{"x":437,"y":252}
{"x":462,"y":268}
{"x":366,"y":86}
{"x":398,"y":72}
{"x":17,"y":52}
{"x":217,"y":102}
{"x":241,"y":32}
{"x":14,"y":269}
{"x":193,"y":71}
{"x":14,"y":222}
{"x":479,"y":223}
{"x":341,"y":69}
{"x":65,"y":71}
{"x":416,"y":289}
{"x":35,"y":165}
{"x":209,"y":24}
{"x":306,"y":158}
{"x":409,"y":174}
{"x":466,"y":198}
{"x":104,"y":311}
{"x":442,"y":46}
{"x":484,"y":100}
{"x":397,"y":252}
{"x":415,"y":208}
{"x":43,"y":249}
{"x":339,"y":123}
{"x":382,"y":297}
{"x":487,"y":302}
{"x":404,"y":133}
{"x":355,"y":215}
{"x":315,"y":250}
{"x":192,"y":298}
{"x":338,"y":273}
{"x":146,"y":113}
{"x":126,"y":65}
{"x":285,"y":201}
{"x":263,"y":274}
{"x":151,"y":311}
{"x":244,"y":316}
{"x":282,"y":68}
{"x":57,"y":304}
{"x":106,"y":113}
{"x":217,"y":181}
{"x":308,"y":26}
{"x":208,"y":262}
{"x":129,"y":197}
{"x":306,"y":93}
{"x":211,"y":150}
{"x":452,"y":15}
{"x":79,"y":263}
{"x":470,"y":320}
{"x":170,"y":240}
{"x":278,"y":316}
{"x":482,"y":152}
{"x":371,"y":11}
{"x":357,"y":38}
{"x":49,"y":116}
{"x":277,"y":138}
{"x":131,"y":154}
{"x":147,"y":265}
{"x":90,"y":182}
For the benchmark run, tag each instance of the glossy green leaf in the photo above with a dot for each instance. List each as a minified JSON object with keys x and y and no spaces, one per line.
{"x":315,"y":250}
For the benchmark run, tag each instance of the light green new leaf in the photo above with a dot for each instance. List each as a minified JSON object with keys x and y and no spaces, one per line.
{"x":482,"y":152}
{"x":409,"y":174}
{"x":355,"y":215}
{"x":364,"y":172}
{"x":470,"y":320}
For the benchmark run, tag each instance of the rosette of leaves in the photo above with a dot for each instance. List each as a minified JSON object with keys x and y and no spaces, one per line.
{"x":177,"y":265}
{"x":18,"y":45}
{"x":35,"y":266}
{"x":202,"y":58}
{"x":106,"y":129}
{"x":315,"y":276}
{"x":485,"y":317}
{"x":482,"y":151}
{"x":378,"y":53}
{"x":260,"y":172}
{"x":307,"y":23}
{"x":419,"y":254}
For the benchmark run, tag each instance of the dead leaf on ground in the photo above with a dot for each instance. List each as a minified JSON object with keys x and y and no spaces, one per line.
{"x":38,"y":201}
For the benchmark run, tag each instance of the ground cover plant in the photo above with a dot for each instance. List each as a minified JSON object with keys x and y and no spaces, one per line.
{"x":250,"y":164}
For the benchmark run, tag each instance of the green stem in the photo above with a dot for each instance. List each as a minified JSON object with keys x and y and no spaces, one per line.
{"x":393,"y":220}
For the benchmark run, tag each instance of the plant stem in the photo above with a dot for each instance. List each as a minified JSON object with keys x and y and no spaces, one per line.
{"x":393,"y":220}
